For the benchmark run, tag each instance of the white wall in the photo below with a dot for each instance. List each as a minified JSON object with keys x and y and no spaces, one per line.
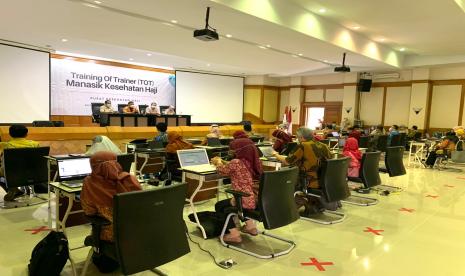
{"x":372,"y":106}
{"x":314,"y":95}
{"x":397,"y":106}
{"x":335,"y":95}
{"x":445,"y":106}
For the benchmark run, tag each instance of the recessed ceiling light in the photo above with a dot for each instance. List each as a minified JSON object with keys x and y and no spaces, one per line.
{"x":174,"y":21}
{"x":228,"y":35}
{"x":381,"y":39}
{"x":325,"y":61}
{"x":402,"y":49}
{"x":356,"y":27}
{"x":322,"y":10}
{"x":268,"y":46}
{"x":300,"y":54}
{"x":294,"y":56}
{"x":98,"y":2}
{"x":262,"y":47}
{"x":149,"y":54}
{"x":64,"y":40}
{"x":208,"y":64}
{"x":131,"y":59}
{"x":91,"y":6}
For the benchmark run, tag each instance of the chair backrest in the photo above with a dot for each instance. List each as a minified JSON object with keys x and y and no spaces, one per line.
{"x":163,"y":108}
{"x":276,"y":197}
{"x":142,"y":108}
{"x":25,"y":166}
{"x":58,"y":123}
{"x":121,"y":107}
{"x":417,"y":136}
{"x":213,"y":142}
{"x":394,"y":161}
{"x":333,"y":179}
{"x":369,"y":170}
{"x":95,"y":108}
{"x":403,"y":139}
{"x":226,"y":141}
{"x":42,"y":124}
{"x":395,"y":141}
{"x":125,"y":160}
{"x":382,"y":143}
{"x":363,"y":141}
{"x":148,"y":228}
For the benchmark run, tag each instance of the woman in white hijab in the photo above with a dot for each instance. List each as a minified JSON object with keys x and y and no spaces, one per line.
{"x":102,"y":143}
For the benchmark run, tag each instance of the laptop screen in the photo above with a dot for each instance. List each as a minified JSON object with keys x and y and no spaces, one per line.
{"x":193,"y":157}
{"x":74,"y":168}
{"x":266,"y":151}
{"x":335,"y":134}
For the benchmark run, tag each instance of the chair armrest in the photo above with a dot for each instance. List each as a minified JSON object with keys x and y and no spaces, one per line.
{"x":98,"y":220}
{"x":238,"y":197}
{"x":237,"y":193}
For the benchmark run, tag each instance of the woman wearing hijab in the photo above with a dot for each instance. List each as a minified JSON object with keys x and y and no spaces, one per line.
{"x":175,"y":143}
{"x":106,"y":180}
{"x":243,"y":169}
{"x":282,"y":139}
{"x":351,"y":150}
{"x":103,"y":143}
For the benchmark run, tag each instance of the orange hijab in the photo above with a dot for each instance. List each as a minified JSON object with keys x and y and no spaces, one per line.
{"x":106,"y":180}
{"x":175,"y":143}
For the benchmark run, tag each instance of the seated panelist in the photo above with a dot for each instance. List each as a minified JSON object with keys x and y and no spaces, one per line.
{"x":130,"y":108}
{"x":153,"y":109}
{"x":107,"y":108}
{"x":170,"y":111}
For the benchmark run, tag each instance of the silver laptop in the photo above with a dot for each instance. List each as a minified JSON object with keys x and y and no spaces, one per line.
{"x":267,"y":152}
{"x":195,"y":160}
{"x":72,"y":171}
{"x":335,"y":134}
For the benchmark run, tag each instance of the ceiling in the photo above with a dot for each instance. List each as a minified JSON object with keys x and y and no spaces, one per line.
{"x":130,"y":31}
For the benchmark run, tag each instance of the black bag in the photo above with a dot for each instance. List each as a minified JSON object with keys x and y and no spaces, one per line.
{"x":49,"y":255}
{"x":211,"y":222}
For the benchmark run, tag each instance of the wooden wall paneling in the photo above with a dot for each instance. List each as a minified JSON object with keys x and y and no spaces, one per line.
{"x":462,"y":98}
{"x":262,"y":101}
{"x":278,"y":115}
{"x":428,"y":106}
{"x":383,"y":113}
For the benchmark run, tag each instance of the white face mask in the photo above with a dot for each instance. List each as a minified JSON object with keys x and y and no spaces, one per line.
{"x":108,"y":104}
{"x":154,"y":106}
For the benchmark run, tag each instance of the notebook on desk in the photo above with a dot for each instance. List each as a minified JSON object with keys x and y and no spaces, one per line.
{"x":72,"y":172}
{"x":195,"y":160}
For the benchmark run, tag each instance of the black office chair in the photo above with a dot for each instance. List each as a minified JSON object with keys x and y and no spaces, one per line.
{"x":381,"y":145}
{"x":403,"y":139}
{"x":289,"y":148}
{"x":58,"y":123}
{"x":225,"y":141}
{"x":96,"y":112}
{"x":333,"y":188}
{"x":363,"y":141}
{"x":125,"y":160}
{"x":394,"y":163}
{"x":257,"y":139}
{"x":213,"y":142}
{"x":42,"y":124}
{"x":121,"y":107}
{"x":172,"y":167}
{"x":142,"y":108}
{"x":417,"y":136}
{"x":163,"y":108}
{"x":369,"y":177}
{"x":143,"y":240}
{"x":275,"y":208}
{"x":26,"y":167}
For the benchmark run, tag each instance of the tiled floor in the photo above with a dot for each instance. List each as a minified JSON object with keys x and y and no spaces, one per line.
{"x":429,"y":240}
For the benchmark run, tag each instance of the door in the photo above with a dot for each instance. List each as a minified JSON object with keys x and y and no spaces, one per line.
{"x":315,"y":113}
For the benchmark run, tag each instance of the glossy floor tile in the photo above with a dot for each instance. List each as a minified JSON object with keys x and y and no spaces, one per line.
{"x":423,"y":233}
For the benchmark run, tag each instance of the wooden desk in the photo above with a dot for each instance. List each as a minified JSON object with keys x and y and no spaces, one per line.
{"x":139,"y":120}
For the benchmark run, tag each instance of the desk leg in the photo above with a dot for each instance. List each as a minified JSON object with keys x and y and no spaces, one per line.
{"x":57,"y":210}
{"x":143,"y":165}
{"x":68,"y":211}
{"x":410,"y":155}
{"x":193,"y":209}
{"x":220,"y":185}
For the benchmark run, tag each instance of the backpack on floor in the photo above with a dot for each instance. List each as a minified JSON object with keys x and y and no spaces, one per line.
{"x":49,"y":256}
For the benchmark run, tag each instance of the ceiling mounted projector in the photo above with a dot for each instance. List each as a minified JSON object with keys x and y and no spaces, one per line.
{"x":207,"y":34}
{"x":342,"y":68}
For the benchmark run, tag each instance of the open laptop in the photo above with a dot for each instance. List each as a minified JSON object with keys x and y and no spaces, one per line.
{"x":195,"y":160}
{"x":335,"y":134}
{"x":267,"y":152}
{"x":73,"y":171}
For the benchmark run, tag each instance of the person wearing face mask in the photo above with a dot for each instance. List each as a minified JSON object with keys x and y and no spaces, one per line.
{"x":107,"y":108}
{"x":170,"y":111}
{"x":130,"y":108}
{"x":153,"y":109}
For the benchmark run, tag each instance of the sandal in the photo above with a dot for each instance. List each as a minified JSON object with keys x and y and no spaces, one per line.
{"x":250,"y":231}
{"x":232,"y":239}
